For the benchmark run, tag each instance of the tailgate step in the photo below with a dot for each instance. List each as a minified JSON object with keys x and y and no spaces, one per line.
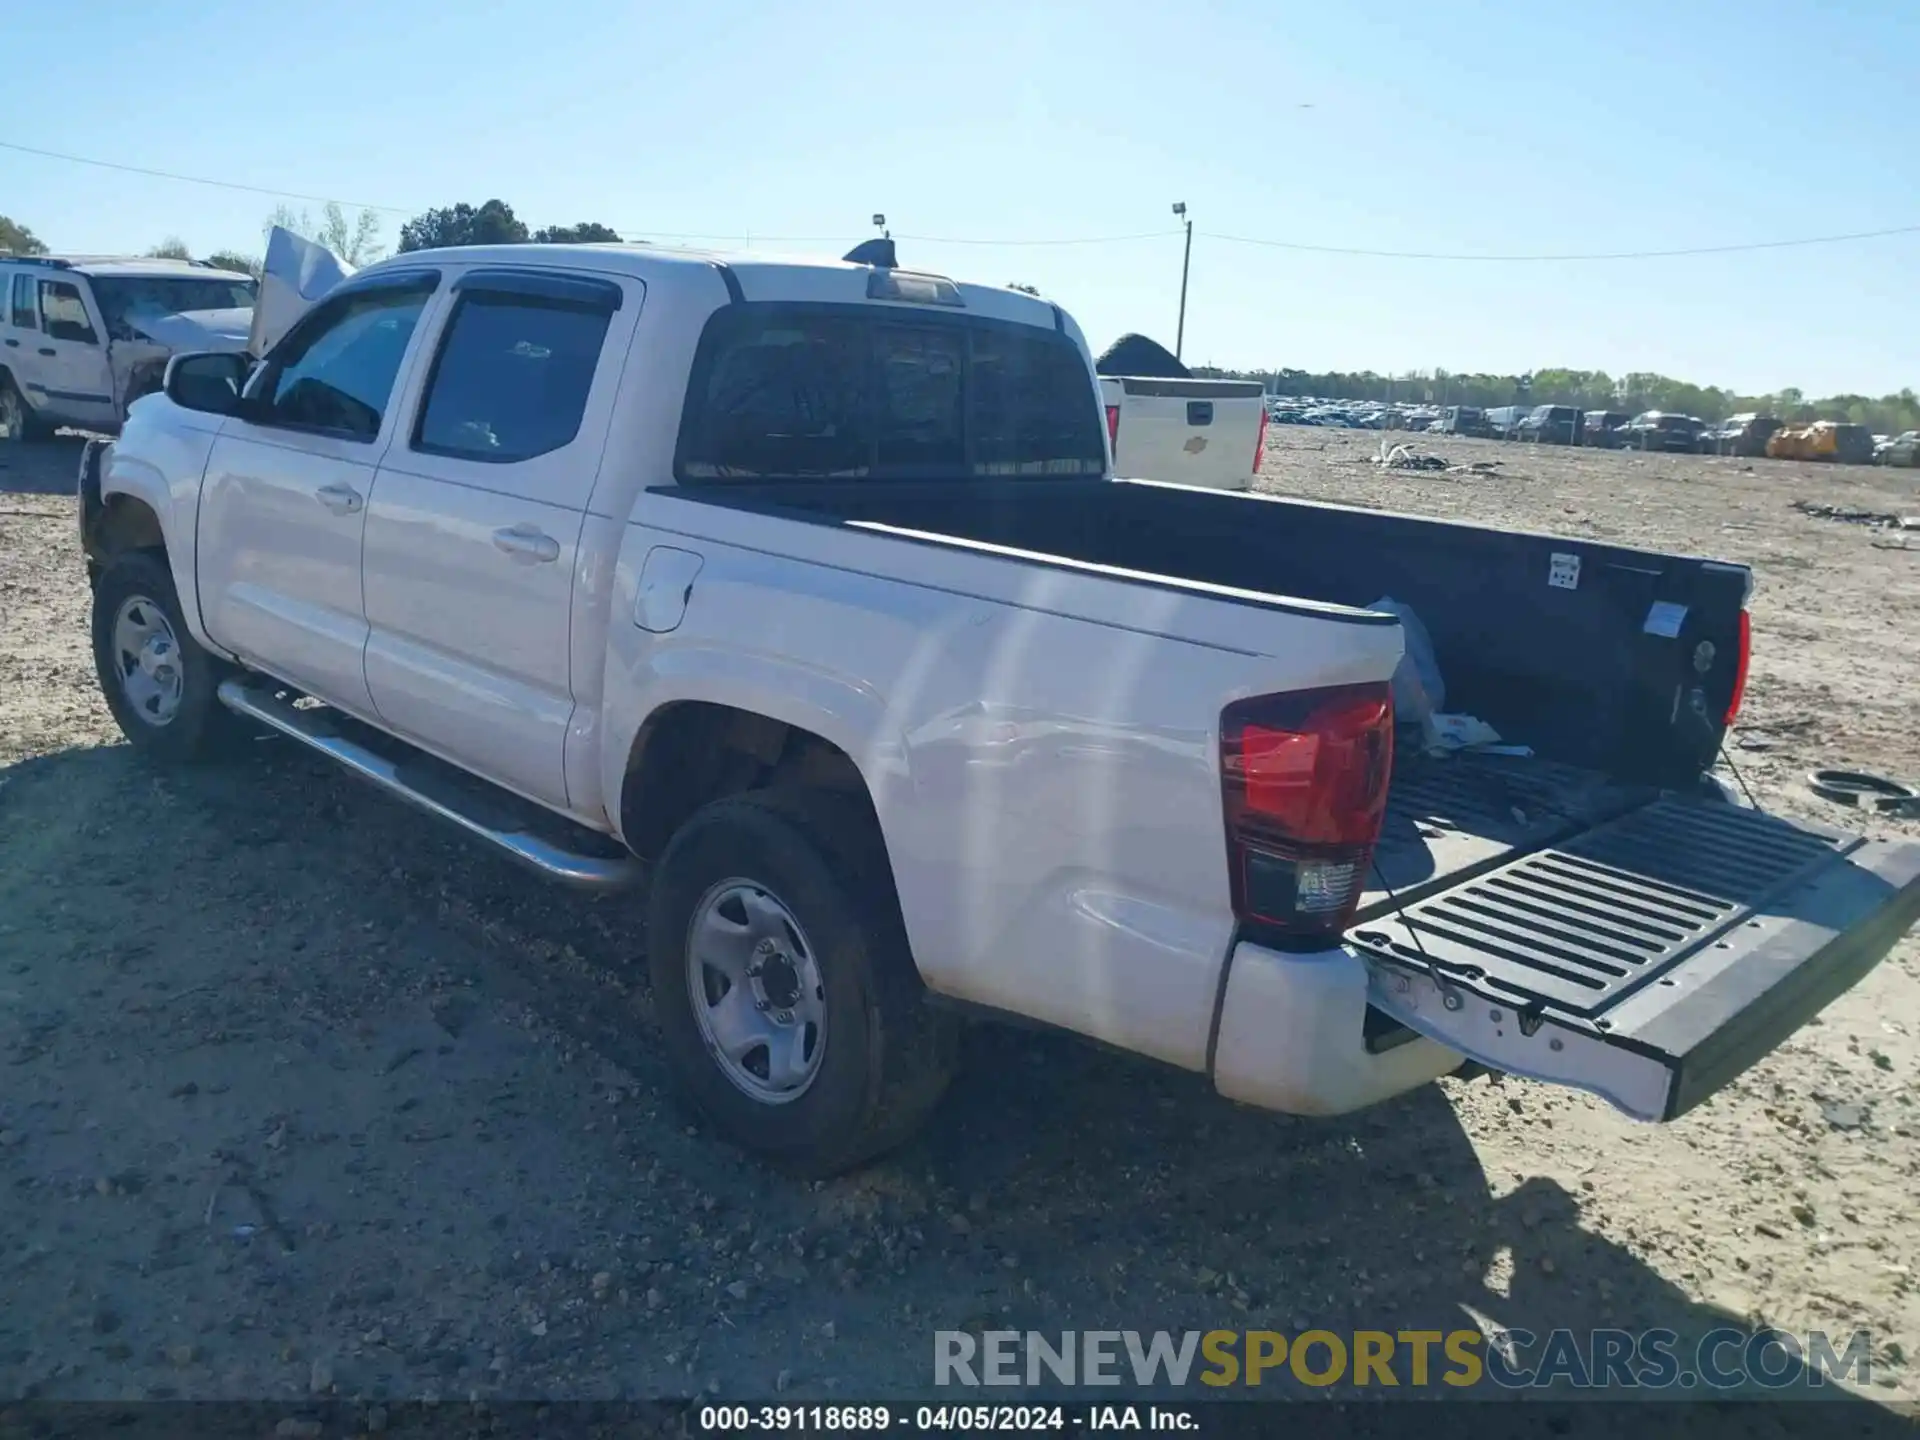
{"x":1580,"y":924}
{"x":1650,"y":959}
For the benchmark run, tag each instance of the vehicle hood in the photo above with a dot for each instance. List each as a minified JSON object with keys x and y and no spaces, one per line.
{"x":190,"y":330}
{"x":295,"y":274}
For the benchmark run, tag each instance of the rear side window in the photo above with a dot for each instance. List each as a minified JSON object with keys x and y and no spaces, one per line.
{"x":800,"y":392}
{"x":512,"y":377}
{"x":21,"y":303}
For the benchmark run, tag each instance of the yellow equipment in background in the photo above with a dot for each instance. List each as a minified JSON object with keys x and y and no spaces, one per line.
{"x":1818,"y":441}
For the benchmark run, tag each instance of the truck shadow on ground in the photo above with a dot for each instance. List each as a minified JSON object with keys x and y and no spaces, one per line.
{"x":50,"y":467}
{"x":1057,"y":1188}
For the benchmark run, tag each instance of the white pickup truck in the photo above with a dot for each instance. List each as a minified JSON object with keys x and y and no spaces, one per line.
{"x":806,"y":589}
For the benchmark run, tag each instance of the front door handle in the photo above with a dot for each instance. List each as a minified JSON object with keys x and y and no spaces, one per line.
{"x":527,"y":545}
{"x":12,"y":344}
{"x":340,"y":499}
{"x":48,"y":350}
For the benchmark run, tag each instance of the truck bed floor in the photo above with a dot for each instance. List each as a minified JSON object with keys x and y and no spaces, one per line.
{"x":1451,"y":816}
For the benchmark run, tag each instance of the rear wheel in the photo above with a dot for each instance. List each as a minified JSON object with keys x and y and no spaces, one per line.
{"x":18,"y":423}
{"x":158,"y":681}
{"x":788,"y":1003}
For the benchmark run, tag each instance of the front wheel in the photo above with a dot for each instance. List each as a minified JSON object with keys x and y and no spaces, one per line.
{"x":788,"y":1002}
{"x":158,"y":681}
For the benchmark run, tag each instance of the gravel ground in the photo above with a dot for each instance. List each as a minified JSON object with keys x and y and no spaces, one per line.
{"x":302,"y":1096}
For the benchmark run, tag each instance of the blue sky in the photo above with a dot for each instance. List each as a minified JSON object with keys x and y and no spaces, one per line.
{"x":1476,"y":126}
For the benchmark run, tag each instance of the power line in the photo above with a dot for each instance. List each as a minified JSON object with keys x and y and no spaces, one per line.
{"x":200,"y":179}
{"x":1594,"y":255}
{"x":1294,"y":245}
{"x":623,"y":229}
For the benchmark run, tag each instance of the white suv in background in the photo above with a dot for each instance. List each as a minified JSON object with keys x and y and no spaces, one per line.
{"x":83,"y":338}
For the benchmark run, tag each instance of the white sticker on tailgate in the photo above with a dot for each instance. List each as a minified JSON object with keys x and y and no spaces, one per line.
{"x":1564,"y":572}
{"x":1665,"y":618}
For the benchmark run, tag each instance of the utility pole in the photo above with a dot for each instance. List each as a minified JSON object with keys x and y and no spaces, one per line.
{"x":1186,"y":261}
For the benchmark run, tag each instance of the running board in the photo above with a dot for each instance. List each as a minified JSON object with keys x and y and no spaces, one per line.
{"x":313,"y":729}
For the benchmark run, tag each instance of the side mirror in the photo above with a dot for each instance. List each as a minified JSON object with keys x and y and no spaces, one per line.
{"x":209,"y":381}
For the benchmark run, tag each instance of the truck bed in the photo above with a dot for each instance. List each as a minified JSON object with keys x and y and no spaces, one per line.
{"x":1616,"y":661}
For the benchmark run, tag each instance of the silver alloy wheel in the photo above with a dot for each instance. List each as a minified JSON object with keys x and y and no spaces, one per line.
{"x":146,"y":656}
{"x":756,"y":991}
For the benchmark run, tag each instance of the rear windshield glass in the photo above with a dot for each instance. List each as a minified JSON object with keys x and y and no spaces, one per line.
{"x":862,"y":392}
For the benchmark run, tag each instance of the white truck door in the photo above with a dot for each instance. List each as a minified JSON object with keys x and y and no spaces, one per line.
{"x":66,"y":376}
{"x":284,"y":501}
{"x":472,"y":541}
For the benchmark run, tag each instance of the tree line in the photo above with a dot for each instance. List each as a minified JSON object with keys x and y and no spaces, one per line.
{"x":357,"y":240}
{"x":1587,"y":389}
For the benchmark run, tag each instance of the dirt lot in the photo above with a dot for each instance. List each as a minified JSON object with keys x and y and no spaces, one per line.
{"x":300,"y":1095}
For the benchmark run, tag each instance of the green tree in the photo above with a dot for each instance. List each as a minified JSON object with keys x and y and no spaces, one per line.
{"x":357,"y":241}
{"x":587,"y":232}
{"x":493,"y":223}
{"x":17,"y":239}
{"x":171,"y":248}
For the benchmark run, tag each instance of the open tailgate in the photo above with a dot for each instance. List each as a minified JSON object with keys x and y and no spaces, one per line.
{"x":1651,"y":959}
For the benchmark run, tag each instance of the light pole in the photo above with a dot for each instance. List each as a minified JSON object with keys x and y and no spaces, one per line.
{"x":1186,"y":259}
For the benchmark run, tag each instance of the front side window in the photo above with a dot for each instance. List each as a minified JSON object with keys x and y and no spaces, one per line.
{"x":63,"y":313}
{"x":336,"y":373}
{"x":21,"y":303}
{"x":865,"y":392}
{"x":512,"y":377}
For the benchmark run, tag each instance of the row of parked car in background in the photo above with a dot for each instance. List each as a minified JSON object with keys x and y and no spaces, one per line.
{"x":1748,"y":434}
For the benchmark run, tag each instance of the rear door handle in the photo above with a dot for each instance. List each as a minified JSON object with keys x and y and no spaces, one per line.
{"x":340,"y":499}
{"x":527,"y":545}
{"x":13,"y":344}
{"x":48,"y":350}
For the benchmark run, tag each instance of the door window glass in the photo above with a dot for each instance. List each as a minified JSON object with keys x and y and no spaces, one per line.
{"x":337,"y":373}
{"x":22,"y":303}
{"x":512,"y":377}
{"x":64,"y":313}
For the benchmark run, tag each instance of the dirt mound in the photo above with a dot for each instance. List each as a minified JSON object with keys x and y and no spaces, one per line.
{"x":1137,"y":355}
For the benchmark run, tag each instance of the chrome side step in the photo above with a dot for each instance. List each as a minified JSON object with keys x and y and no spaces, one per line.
{"x":311,"y":728}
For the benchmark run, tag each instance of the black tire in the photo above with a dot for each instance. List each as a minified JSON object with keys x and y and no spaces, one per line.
{"x":886,"y":1056}
{"x":21,"y":424}
{"x":199,"y":727}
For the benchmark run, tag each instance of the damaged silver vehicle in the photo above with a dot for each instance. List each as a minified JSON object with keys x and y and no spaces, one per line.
{"x":83,"y":337}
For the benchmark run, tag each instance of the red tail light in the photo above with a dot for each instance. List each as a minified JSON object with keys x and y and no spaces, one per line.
{"x":1304,"y":781}
{"x":1113,"y":430}
{"x":1260,"y":441}
{"x":1740,"y":668}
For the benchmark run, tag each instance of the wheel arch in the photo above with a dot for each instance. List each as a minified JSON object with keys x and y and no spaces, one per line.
{"x":127,"y":503}
{"x":690,"y":751}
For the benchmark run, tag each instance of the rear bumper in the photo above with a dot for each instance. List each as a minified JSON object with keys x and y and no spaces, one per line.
{"x":1292,"y":1036}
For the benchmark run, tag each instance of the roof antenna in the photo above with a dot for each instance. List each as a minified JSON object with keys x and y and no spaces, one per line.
{"x":878,"y":251}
